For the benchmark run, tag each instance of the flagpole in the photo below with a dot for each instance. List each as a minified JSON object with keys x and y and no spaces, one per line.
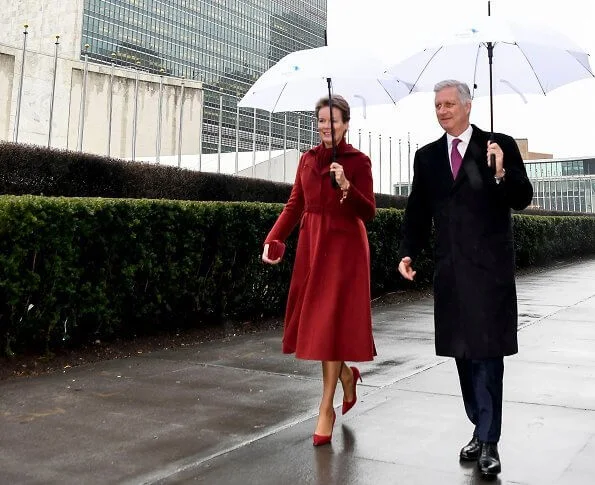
{"x":20,"y":96}
{"x":270,"y":139}
{"x":135,"y":112}
{"x":380,"y":162}
{"x":159,"y":118}
{"x":201,"y":129}
{"x":57,"y":43}
{"x":400,"y":169}
{"x":181,"y":121}
{"x":270,"y":143}
{"x":284,"y":147}
{"x":390,"y":165}
{"x":254,"y":145}
{"x":82,"y":102}
{"x":237,"y":140}
{"x":111,"y":107}
{"x":219,"y":135}
{"x":408,"y":163}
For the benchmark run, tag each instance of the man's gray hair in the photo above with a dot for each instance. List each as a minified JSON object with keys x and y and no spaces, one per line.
{"x":462,"y":88}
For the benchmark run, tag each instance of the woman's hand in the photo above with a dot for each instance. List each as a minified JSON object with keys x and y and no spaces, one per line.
{"x":340,"y":175}
{"x":265,"y":256}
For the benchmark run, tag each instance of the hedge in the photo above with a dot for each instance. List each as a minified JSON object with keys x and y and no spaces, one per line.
{"x":77,"y":269}
{"x":34,"y":170}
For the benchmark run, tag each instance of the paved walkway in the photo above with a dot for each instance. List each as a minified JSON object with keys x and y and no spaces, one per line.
{"x":238,"y":411}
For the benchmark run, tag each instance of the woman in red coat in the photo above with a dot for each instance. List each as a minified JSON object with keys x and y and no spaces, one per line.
{"x":328,"y":316}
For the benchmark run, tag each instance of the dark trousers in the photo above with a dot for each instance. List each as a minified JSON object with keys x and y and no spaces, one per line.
{"x":481,"y":385}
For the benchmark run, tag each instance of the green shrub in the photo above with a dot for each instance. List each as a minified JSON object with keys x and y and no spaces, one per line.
{"x":35,"y":170}
{"x":78,"y":269}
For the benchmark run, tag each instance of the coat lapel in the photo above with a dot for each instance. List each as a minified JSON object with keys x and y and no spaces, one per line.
{"x":443,"y":169}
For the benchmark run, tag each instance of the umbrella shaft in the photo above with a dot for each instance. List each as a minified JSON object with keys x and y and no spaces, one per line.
{"x":490,"y":58}
{"x":334,"y":153}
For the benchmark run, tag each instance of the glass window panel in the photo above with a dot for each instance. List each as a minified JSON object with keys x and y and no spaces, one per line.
{"x":227,"y":45}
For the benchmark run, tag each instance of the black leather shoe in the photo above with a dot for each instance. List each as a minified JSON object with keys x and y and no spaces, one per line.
{"x":470,"y":452}
{"x":489,"y":460}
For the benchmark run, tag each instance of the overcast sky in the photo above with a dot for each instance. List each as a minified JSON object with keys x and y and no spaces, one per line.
{"x":562,"y":123}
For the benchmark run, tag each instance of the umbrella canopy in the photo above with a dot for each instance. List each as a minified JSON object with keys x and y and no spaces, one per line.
{"x":299,"y":80}
{"x":527,"y":59}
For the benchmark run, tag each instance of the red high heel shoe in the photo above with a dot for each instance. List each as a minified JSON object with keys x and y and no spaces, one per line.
{"x":319,"y":440}
{"x":347,"y":405}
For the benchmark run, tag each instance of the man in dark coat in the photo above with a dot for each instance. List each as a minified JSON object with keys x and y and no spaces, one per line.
{"x":475,"y":308}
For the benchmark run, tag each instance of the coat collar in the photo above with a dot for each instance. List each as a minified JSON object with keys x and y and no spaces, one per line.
{"x":343,"y":148}
{"x":323,"y":155}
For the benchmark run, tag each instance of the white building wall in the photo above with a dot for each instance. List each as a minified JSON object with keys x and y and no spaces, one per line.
{"x":6,"y":87}
{"x":45,"y":20}
{"x":264,"y":167}
{"x":281,"y":167}
{"x":96,"y":121}
{"x":36,"y":96}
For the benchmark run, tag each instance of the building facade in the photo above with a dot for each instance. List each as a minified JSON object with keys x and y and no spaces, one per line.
{"x":225,"y":44}
{"x":563,"y":184}
{"x":559,"y":184}
{"x":137,"y":49}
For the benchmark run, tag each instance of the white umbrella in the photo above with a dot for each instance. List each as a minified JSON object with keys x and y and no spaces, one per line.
{"x":299,"y":80}
{"x":496,"y":56}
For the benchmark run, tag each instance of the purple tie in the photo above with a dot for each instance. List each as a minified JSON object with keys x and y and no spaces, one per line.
{"x":455,"y":158}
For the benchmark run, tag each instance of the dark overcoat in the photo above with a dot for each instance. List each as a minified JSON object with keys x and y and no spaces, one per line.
{"x":475,"y":305}
{"x":328,"y":315}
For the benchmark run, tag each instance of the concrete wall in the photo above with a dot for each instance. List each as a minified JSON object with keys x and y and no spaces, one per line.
{"x":46,"y":19}
{"x":282,"y":167}
{"x":36,"y":100}
{"x":6,"y":82}
{"x":264,"y":168}
{"x":96,"y":120}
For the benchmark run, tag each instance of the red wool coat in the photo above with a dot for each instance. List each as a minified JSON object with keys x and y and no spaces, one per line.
{"x":328,"y":314}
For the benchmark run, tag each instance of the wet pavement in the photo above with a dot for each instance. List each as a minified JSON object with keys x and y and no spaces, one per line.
{"x":237,"y":411}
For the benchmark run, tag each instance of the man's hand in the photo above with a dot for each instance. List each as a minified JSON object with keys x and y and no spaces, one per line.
{"x":405,"y":268}
{"x":494,"y":149}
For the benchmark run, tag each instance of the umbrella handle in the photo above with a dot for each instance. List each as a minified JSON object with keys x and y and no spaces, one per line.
{"x":492,"y":160}
{"x":492,"y":163}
